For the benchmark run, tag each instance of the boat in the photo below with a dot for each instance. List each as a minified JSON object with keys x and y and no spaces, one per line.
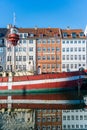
{"x":38,"y":83}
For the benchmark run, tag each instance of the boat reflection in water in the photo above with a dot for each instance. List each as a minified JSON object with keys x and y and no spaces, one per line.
{"x":61,"y":100}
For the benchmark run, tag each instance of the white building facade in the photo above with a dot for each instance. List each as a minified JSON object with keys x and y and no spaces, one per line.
{"x":74,"y":119}
{"x":22,"y":56}
{"x":73,"y":50}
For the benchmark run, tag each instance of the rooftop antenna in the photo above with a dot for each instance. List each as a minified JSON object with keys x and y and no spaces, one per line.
{"x":14,"y":19}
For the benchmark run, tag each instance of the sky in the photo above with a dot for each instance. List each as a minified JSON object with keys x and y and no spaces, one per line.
{"x":44,"y":13}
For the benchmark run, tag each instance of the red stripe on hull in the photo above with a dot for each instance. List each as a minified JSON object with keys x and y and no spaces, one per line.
{"x":65,"y":84}
{"x":3,"y":87}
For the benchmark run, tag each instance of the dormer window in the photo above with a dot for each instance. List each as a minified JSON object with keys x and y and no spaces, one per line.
{"x":81,"y":34}
{"x":31,"y":34}
{"x":64,"y":34}
{"x":41,"y":35}
{"x":73,"y":35}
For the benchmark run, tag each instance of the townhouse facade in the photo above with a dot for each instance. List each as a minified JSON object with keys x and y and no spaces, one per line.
{"x":45,"y":50}
{"x":73,"y":50}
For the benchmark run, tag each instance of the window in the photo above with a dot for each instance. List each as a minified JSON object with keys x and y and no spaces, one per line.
{"x":30,"y":57}
{"x":63,"y":66}
{"x":20,"y":58}
{"x":44,"y":41}
{"x":72,"y":117}
{"x":53,"y":49}
{"x":75,"y":57}
{"x":48,"y":119}
{"x":64,"y":126}
{"x":81,"y":126}
{"x":30,"y":41}
{"x":53,"y":119}
{"x":75,"y":41}
{"x":79,"y":57}
{"x":77,"y":126}
{"x":24,"y":67}
{"x":21,"y":35}
{"x":53,"y":66}
{"x":63,"y":42}
{"x":20,"y":49}
{"x":67,"y":57}
{"x":83,"y":41}
{"x":24,"y":58}
{"x":53,"y":41}
{"x":44,"y":58}
{"x":83,"y":57}
{"x":53,"y":127}
{"x":16,"y":58}
{"x":58,"y":41}
{"x":48,"y":49}
{"x":44,"y":49}
{"x":38,"y":119}
{"x":81,"y":34}
{"x":8,"y":58}
{"x":31,"y":34}
{"x":38,"y":49}
{"x":71,"y":66}
{"x":71,"y":49}
{"x":43,"y":119}
{"x":24,"y":49}
{"x":64,"y":34}
{"x":81,"y":117}
{"x":63,"y":49}
{"x":67,"y":41}
{"x":31,"y":49}
{"x":57,"y":57}
{"x":79,"y":41}
{"x":48,"y":66}
{"x":64,"y":117}
{"x":48,"y":41}
{"x":57,"y":49}
{"x":73,"y":126}
{"x":52,"y":57}
{"x":25,"y":35}
{"x":39,"y":58}
{"x":75,"y":66}
{"x":63,"y":57}
{"x":71,"y":57}
{"x":79,"y":49}
{"x":73,"y":35}
{"x":24,"y":41}
{"x":75,"y":49}
{"x":58,"y":118}
{"x":71,"y":41}
{"x":48,"y":57}
{"x":44,"y":66}
{"x":38,"y":41}
{"x":83,"y":49}
{"x":77,"y":117}
{"x":85,"y":117}
{"x":67,"y":49}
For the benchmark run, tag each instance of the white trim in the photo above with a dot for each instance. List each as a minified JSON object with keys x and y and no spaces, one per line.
{"x":9,"y":84}
{"x":43,"y":101}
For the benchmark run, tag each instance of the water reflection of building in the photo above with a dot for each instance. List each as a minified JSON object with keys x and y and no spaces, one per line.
{"x":48,"y":119}
{"x":74,"y":119}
